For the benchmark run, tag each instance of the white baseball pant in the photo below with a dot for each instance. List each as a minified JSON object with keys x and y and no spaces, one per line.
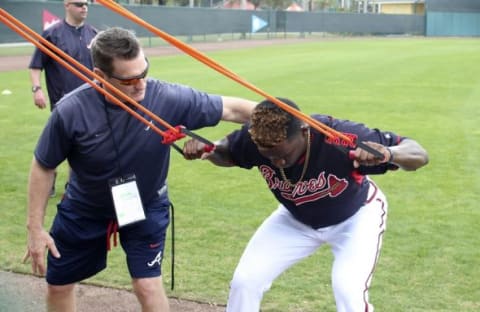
{"x":282,"y":241}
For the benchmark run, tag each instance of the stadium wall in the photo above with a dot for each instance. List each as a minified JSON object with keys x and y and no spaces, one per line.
{"x":452,"y":18}
{"x":181,"y":21}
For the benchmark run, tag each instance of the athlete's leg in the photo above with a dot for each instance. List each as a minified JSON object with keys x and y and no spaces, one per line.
{"x":151,"y":294}
{"x":61,"y":298}
{"x":277,"y":244}
{"x":356,"y":246}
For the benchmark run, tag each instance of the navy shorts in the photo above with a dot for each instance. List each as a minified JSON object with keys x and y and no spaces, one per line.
{"x":82,"y":243}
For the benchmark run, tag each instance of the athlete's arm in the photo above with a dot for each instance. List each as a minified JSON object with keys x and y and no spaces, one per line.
{"x":408,"y":155}
{"x":236,"y":109}
{"x":39,"y":184}
{"x":220,"y":156}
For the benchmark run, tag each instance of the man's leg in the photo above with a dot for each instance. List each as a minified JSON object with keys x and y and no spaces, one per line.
{"x":61,"y":298}
{"x":278,"y":243}
{"x":82,"y":245}
{"x":151,"y":294}
{"x":144,"y":243}
{"x":356,"y":245}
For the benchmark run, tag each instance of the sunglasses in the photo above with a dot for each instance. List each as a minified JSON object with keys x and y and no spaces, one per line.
{"x":79,"y":4}
{"x":132,"y":80}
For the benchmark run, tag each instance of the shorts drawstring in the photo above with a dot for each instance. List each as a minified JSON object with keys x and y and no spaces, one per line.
{"x":112,"y":229}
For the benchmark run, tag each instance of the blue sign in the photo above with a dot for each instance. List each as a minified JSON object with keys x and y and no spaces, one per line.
{"x":257,"y":23}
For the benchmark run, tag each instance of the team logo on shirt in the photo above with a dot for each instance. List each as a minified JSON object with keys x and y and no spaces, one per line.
{"x":305,"y":191}
{"x":89,"y":45}
{"x":148,"y":127}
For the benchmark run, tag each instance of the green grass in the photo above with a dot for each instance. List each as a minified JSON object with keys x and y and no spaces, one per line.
{"x":428,"y":89}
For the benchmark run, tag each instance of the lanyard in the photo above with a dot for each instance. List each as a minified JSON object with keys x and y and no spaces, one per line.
{"x":114,"y":141}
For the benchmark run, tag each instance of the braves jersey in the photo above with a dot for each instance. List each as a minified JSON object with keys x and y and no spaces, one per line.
{"x":332,"y":190}
{"x":80,"y":130}
{"x":75,"y":41}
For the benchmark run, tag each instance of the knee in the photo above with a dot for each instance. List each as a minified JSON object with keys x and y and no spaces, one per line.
{"x":145,"y":287}
{"x":249,"y":281}
{"x":345,"y":283}
{"x":60,"y":298}
{"x":61,"y":290}
{"x":150,"y":292}
{"x":239,"y":280}
{"x":350,"y":296}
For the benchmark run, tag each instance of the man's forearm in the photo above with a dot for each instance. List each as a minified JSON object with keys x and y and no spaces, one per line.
{"x":35,"y":76}
{"x":39,"y":185}
{"x":236,"y":109}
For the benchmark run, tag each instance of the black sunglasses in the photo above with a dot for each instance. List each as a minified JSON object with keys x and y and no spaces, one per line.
{"x":132,"y":80}
{"x":79,"y":4}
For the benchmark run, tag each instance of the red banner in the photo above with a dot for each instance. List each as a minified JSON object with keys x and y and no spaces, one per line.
{"x":48,"y":19}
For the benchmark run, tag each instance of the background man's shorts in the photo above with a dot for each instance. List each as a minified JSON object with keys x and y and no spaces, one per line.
{"x":82,"y":243}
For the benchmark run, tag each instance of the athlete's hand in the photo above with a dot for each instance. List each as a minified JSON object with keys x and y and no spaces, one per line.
{"x":39,"y":99}
{"x":38,"y":242}
{"x":361,"y":157}
{"x":194,"y":149}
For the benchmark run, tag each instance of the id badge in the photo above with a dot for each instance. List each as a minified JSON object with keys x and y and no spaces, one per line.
{"x":126,"y":200}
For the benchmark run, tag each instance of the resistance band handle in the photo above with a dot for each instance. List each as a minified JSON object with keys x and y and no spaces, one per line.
{"x":351,"y":153}
{"x":206,"y":149}
{"x":209,"y":145}
{"x":177,"y":148}
{"x":377,"y":154}
{"x":209,"y":148}
{"x":371,"y":150}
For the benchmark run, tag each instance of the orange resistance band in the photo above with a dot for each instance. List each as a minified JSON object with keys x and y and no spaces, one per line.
{"x":329,"y":132}
{"x":170,"y":136}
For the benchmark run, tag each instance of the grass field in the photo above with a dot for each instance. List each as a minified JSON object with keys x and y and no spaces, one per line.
{"x":428,"y":89}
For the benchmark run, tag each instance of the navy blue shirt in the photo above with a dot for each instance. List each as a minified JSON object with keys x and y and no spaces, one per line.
{"x":73,"y":41}
{"x":78,"y":130}
{"x":331,"y":190}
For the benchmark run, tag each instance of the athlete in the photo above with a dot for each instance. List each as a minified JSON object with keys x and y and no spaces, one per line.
{"x":325,"y":195}
{"x":119,"y":174}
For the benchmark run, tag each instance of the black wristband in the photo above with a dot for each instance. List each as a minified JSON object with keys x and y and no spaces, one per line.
{"x":390,"y":160}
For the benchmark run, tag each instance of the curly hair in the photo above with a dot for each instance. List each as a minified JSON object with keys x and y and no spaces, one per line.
{"x":270,"y":124}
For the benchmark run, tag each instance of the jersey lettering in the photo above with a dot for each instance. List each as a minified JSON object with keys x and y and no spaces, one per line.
{"x":305,"y":191}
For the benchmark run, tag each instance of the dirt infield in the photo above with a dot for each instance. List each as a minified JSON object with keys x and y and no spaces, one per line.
{"x":25,"y":293}
{"x":8,"y":63}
